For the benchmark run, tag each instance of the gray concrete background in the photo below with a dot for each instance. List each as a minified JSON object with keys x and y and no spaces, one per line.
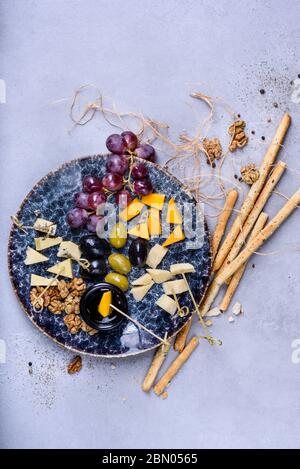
{"x":148,"y":55}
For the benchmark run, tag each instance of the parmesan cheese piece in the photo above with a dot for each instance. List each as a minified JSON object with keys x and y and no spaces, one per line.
{"x":139,"y":292}
{"x":38,"y":281}
{"x":175,"y":286}
{"x":160,"y":276}
{"x":183,"y":268}
{"x":69,"y":249}
{"x":156,"y":255}
{"x":143,"y":280}
{"x":63,"y":268}
{"x":45,"y":243}
{"x":167,"y":304}
{"x":34,"y":257}
{"x":213,"y":312}
{"x":45,"y":226}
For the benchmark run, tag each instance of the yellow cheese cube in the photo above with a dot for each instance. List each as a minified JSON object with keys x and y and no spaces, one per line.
{"x":176,"y":236}
{"x":173,"y":213}
{"x":154,"y":224}
{"x":132,"y":210}
{"x":104,"y":305}
{"x":154,"y":200}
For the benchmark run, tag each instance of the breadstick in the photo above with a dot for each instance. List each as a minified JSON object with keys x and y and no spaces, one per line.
{"x":175,"y":366}
{"x":181,"y":337}
{"x":258,"y":207}
{"x":156,"y":365}
{"x":236,"y":278}
{"x":254,"y":192}
{"x":210,"y":296}
{"x":260,"y":239}
{"x":223,"y":220}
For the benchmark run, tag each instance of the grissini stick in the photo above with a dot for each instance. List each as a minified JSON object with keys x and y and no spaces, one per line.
{"x":175,"y":366}
{"x":254,"y":192}
{"x":181,"y":337}
{"x":213,"y":289}
{"x":261,"y":238}
{"x":158,"y":360}
{"x":223,"y":220}
{"x":258,"y":207}
{"x":236,"y":278}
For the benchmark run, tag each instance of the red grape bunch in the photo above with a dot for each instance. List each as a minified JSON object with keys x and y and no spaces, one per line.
{"x":123,"y":147}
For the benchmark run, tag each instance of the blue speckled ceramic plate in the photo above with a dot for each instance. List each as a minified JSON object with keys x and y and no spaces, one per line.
{"x":53,"y":196}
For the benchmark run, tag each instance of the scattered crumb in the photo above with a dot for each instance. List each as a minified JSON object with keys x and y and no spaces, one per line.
{"x":164,"y":395}
{"x":208,"y":323}
{"x":262,"y":91}
{"x":213,"y":312}
{"x":231,"y":319}
{"x":263,"y":137}
{"x":30,"y":370}
{"x":253,"y":266}
{"x":113,"y":366}
{"x":275,"y":104}
{"x":269,"y":120}
{"x":75,"y":365}
{"x":237,"y":308}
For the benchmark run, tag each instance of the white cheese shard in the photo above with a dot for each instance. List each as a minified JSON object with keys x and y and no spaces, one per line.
{"x":45,"y":243}
{"x":183,"y":268}
{"x":63,"y":268}
{"x":69,"y":249}
{"x":156,"y":255}
{"x":139,"y":292}
{"x":159,"y":275}
{"x":231,"y":319}
{"x":175,"y":286}
{"x":38,"y":281}
{"x":45,"y":226}
{"x":237,"y":308}
{"x":143,"y":280}
{"x":213,"y":313}
{"x":167,"y":304}
{"x":34,"y":257}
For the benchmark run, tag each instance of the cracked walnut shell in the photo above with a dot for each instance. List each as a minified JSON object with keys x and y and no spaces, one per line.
{"x":78,"y":286}
{"x":238,"y":136}
{"x":73,"y":323}
{"x":213,"y":149}
{"x":250,"y":173}
{"x":75,"y":365}
{"x":72,"y":304}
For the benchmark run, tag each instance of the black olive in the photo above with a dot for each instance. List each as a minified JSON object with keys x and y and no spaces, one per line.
{"x":93,"y":247}
{"x":97,"y":270}
{"x":138,"y":252}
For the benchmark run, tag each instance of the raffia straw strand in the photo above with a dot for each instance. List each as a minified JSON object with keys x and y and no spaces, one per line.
{"x":176,"y":365}
{"x":254,"y":191}
{"x":236,"y":278}
{"x":224,"y":216}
